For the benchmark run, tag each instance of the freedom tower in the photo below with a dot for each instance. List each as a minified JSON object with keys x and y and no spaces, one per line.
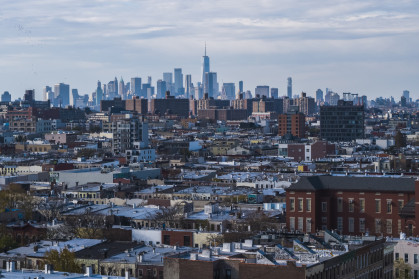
{"x":205,"y":65}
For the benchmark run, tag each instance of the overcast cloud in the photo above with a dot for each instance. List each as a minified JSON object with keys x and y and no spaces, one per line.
{"x":365,"y":47}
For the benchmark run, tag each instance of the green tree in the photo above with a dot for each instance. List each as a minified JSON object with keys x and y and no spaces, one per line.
{"x":402,"y":270}
{"x":6,"y":242}
{"x":65,"y":261}
{"x":15,"y":197}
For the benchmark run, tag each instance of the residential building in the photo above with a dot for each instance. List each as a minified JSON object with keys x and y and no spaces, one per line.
{"x":291,"y":123}
{"x":126,"y":132}
{"x":170,"y":106}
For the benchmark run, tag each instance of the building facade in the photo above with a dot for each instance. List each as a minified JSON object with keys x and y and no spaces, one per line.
{"x":343,"y":122}
{"x":292,"y":123}
{"x":350,"y":205}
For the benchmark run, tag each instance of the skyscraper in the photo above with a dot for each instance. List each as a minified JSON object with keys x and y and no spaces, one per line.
{"x":205,"y":64}
{"x":262,"y":90}
{"x":112,"y":90}
{"x":99,"y":93}
{"x":145,"y":91}
{"x":116,"y":86}
{"x":168,"y":78}
{"x":29,"y":95}
{"x":6,"y":97}
{"x":406,"y":94}
{"x":241,"y":86}
{"x":74,"y":96}
{"x":211,"y":84}
{"x":230,"y":90}
{"x":136,"y":86}
{"x":319,"y":96}
{"x":122,"y":89}
{"x":62,"y":94}
{"x":188,"y":85}
{"x":161,"y":89}
{"x":48,"y":94}
{"x":403,"y":101}
{"x":274,"y":93}
{"x":289,"y":88}
{"x":178,"y":81}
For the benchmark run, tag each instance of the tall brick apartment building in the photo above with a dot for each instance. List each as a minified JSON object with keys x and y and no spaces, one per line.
{"x":354,"y":205}
{"x":291,"y":123}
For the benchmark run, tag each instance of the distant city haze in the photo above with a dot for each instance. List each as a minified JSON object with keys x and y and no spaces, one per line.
{"x":364,"y":47}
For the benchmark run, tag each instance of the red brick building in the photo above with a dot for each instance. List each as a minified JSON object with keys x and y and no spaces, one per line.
{"x":177,"y":238}
{"x":136,"y":104}
{"x":291,"y":124}
{"x":308,"y":152}
{"x":353,"y":205}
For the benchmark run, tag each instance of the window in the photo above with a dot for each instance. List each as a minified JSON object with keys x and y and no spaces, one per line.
{"x":401,"y":204}
{"x":351,"y":205}
{"x":300,"y":205}
{"x":340,"y":224}
{"x":377,"y":225}
{"x":362,"y":225}
{"x":377,"y":206}
{"x":324,"y":220}
{"x":166,"y":239}
{"x":228,"y":273}
{"x":300,"y":223}
{"x":389,"y":226}
{"x":292,"y":223}
{"x":415,"y":258}
{"x":362,"y":205}
{"x":308,"y":205}
{"x":406,"y":257}
{"x":340,"y":204}
{"x":186,"y":240}
{"x":308,"y":225}
{"x":351,"y":224}
{"x":324,"y":206}
{"x":292,"y":204}
{"x":389,"y":206}
{"x":397,"y":256}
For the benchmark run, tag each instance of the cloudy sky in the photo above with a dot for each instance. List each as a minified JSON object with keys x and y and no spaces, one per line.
{"x":368,"y":47}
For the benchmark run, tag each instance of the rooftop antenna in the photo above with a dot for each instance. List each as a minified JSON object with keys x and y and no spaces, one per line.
{"x":205,"y":48}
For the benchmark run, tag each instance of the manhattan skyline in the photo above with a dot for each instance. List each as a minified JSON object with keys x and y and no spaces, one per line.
{"x":365,"y":47}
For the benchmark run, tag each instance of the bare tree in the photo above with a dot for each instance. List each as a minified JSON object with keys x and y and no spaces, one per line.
{"x":215,"y":239}
{"x":86,"y":225}
{"x":168,"y":215}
